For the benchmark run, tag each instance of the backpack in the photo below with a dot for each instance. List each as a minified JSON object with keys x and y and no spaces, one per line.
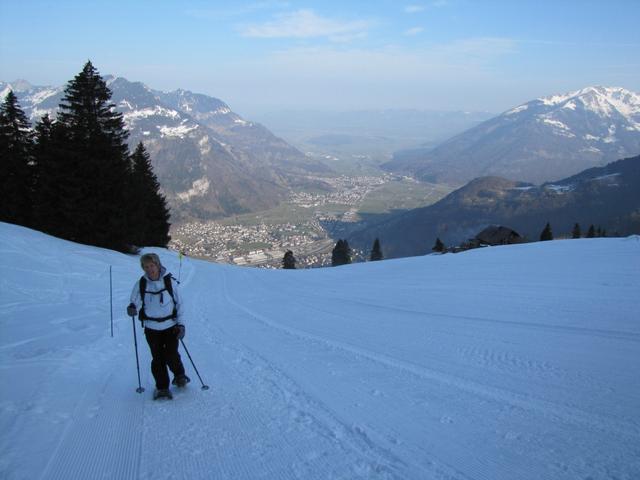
{"x":168,"y":287}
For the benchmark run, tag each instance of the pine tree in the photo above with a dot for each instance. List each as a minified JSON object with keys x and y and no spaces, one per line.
{"x":16,"y":163}
{"x":376,"y":251}
{"x":591,"y":233}
{"x":98,"y":156}
{"x":546,"y":234}
{"x":149,"y":213}
{"x":289,"y":261}
{"x":576,"y":233}
{"x":56,"y":194}
{"x":45,"y":194}
{"x":439,"y":246}
{"x":341,"y":254}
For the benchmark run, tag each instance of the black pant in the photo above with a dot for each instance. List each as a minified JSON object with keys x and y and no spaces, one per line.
{"x":164,"y":352}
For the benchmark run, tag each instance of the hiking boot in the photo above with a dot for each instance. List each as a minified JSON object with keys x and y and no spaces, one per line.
{"x":181,"y":380}
{"x":162,"y":393}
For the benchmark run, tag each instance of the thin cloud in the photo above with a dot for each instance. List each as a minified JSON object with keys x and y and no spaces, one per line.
{"x":413,"y":31}
{"x":306,"y":24}
{"x":468,"y":54}
{"x":580,"y":44}
{"x":482,"y":48}
{"x":236,"y":10}
{"x":414,"y":8}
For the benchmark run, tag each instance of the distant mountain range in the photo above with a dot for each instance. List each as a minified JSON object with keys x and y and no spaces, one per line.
{"x":209,"y":161}
{"x":607,"y":196}
{"x":542,"y":140}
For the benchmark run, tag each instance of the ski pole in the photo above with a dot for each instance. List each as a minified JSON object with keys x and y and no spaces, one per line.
{"x":111,"y":298}
{"x":204,"y":387}
{"x":135,"y":342}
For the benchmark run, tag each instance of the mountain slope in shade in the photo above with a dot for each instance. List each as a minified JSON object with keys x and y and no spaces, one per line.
{"x":542,"y":140}
{"x":608,"y":197}
{"x":209,"y":161}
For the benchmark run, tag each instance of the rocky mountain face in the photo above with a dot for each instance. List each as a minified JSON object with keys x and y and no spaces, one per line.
{"x":607,"y":196}
{"x":209,"y":161}
{"x":545,"y":139}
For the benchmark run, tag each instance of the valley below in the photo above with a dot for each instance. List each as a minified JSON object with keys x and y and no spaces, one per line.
{"x":308,"y":223}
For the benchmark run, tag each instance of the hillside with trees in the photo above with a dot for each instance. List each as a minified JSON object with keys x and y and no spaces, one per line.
{"x":75,"y":177}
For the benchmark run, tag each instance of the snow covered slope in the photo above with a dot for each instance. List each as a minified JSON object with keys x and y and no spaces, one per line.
{"x":516,"y":362}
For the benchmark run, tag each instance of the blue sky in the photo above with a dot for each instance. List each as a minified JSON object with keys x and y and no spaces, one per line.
{"x":333,"y":55}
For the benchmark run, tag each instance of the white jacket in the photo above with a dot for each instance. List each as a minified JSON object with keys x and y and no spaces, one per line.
{"x":158,"y":305}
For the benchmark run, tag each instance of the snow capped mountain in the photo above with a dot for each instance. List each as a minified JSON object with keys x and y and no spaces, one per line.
{"x":600,"y":100}
{"x":210,"y":161}
{"x":618,"y":108}
{"x":204,"y":109}
{"x":538,"y":141}
{"x":35,"y":101}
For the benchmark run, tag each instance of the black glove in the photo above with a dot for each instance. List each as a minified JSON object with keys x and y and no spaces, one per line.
{"x":180,"y":331}
{"x":132,"y":311}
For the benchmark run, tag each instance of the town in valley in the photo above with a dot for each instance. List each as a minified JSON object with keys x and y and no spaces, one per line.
{"x":308,"y":223}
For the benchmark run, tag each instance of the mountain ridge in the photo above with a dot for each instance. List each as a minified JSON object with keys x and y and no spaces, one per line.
{"x":209,"y":160}
{"x":552,"y":136}
{"x":607,"y":196}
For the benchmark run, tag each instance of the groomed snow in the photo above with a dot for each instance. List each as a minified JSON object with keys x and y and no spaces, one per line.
{"x":516,"y":362}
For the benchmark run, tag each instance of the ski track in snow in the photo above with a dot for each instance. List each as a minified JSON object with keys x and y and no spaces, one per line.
{"x":552,"y":412}
{"x":288,"y":422}
{"x":462,"y":384}
{"x":97,"y":423}
{"x":312,"y":379}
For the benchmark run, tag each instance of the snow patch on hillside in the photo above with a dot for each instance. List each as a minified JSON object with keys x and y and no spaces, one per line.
{"x":179,"y":131}
{"x":591,"y":149}
{"x":559,"y":127}
{"x":611,"y":179}
{"x":37,"y":114}
{"x":43,"y":94}
{"x":518,"y":109}
{"x":205,"y":146}
{"x":198,"y":189}
{"x":611,"y":137}
{"x":157,"y":110}
{"x":560,"y":188}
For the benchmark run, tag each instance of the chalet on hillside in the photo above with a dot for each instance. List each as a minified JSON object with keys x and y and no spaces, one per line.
{"x":492,"y":236}
{"x":498,"y":235}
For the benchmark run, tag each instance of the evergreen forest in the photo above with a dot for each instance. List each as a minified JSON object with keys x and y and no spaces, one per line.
{"x":74,"y":177}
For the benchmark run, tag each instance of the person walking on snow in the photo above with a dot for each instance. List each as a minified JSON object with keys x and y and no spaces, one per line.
{"x":155,"y":295}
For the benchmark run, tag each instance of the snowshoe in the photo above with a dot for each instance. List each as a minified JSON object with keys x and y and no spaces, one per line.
{"x":162,"y":393}
{"x":181,"y":381}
